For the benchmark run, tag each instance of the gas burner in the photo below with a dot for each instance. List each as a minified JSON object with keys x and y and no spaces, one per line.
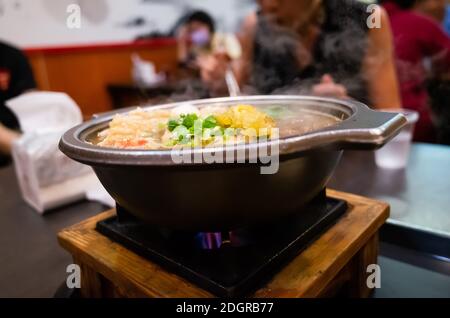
{"x":211,"y":241}
{"x":228,"y":263}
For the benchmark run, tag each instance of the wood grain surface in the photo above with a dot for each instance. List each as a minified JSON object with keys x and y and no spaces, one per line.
{"x":337,"y":258}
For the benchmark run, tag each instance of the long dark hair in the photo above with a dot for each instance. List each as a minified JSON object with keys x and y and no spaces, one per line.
{"x":191,"y":16}
{"x":203,"y":17}
{"x":404,"y":4}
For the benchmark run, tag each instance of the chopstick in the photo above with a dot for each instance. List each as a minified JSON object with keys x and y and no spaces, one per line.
{"x":232,"y":84}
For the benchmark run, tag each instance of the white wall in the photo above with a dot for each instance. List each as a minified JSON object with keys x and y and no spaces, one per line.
{"x":31,"y":23}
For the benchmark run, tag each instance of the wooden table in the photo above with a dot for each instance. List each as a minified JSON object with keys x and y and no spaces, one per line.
{"x":335,"y":263}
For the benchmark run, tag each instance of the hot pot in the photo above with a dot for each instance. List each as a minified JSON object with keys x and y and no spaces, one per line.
{"x":211,"y":197}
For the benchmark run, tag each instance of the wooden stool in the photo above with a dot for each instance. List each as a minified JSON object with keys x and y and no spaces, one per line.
{"x":335,"y":263}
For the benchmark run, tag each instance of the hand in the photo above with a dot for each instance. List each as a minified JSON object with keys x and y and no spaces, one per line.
{"x":183,"y":44}
{"x":328,"y":88}
{"x":7,"y":137}
{"x":183,"y":34}
{"x":212,"y":70}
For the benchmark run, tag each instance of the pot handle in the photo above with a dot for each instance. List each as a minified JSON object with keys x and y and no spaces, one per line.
{"x":368,"y":129}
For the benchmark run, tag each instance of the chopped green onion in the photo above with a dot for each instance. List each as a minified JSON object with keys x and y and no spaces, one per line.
{"x":189,"y":120}
{"x":210,"y":122}
{"x":180,"y":131}
{"x":172,"y":124}
{"x":187,"y":126}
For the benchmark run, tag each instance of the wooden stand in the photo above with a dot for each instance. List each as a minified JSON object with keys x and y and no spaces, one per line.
{"x":336,"y":263}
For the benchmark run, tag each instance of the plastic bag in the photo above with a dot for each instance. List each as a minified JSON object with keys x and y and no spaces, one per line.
{"x":47,"y":178}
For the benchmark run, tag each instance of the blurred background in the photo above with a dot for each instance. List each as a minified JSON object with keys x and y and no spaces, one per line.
{"x":93,"y":63}
{"x":101,"y":62}
{"x":64,"y":61}
{"x":86,"y":62}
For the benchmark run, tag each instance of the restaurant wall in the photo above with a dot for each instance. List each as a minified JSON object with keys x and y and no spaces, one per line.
{"x":85,"y":73}
{"x":84,"y":62}
{"x":37,"y":23}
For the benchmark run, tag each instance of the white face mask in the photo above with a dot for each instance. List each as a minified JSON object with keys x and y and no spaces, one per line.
{"x":200,"y":37}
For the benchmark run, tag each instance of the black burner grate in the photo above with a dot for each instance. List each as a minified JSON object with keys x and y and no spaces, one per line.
{"x":227,"y":271}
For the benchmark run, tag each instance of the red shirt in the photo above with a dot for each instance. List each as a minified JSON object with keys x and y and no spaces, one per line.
{"x":417,"y":37}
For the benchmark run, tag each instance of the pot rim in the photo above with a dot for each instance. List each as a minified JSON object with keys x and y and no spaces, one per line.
{"x":362,"y":129}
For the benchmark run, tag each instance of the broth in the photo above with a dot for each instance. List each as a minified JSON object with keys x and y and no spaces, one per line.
{"x":170,"y":128}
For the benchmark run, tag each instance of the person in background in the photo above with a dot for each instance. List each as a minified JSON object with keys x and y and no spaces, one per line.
{"x":422,"y":51}
{"x":322,"y":47}
{"x":439,"y":10}
{"x":447,"y":19}
{"x":438,"y":82}
{"x":16,"y":77}
{"x":198,"y":39}
{"x":7,"y":137}
{"x":194,"y":37}
{"x":435,"y":9}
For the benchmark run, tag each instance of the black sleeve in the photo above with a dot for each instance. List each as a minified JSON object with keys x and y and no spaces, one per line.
{"x":22,"y":80}
{"x":22,"y":75}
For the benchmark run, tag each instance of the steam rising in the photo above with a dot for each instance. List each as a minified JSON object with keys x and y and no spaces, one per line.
{"x":282,"y":65}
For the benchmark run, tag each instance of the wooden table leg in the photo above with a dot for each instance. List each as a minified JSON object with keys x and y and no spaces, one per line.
{"x":351,"y":281}
{"x":91,"y":282}
{"x":368,"y":255}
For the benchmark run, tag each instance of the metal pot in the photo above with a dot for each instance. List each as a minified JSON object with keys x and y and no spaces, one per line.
{"x":222,"y":196}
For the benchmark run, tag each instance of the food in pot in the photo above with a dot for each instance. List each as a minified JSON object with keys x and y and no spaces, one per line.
{"x":189,"y":196}
{"x":189,"y":126}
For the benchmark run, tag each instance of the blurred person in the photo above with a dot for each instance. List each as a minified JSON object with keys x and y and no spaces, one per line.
{"x":16,"y":77}
{"x":7,"y":137}
{"x":198,"y":38}
{"x":422,"y":53}
{"x":439,"y":90}
{"x":447,"y":19}
{"x":316,"y":47}
{"x":439,"y":10}
{"x":195,"y":36}
{"x":435,"y":9}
